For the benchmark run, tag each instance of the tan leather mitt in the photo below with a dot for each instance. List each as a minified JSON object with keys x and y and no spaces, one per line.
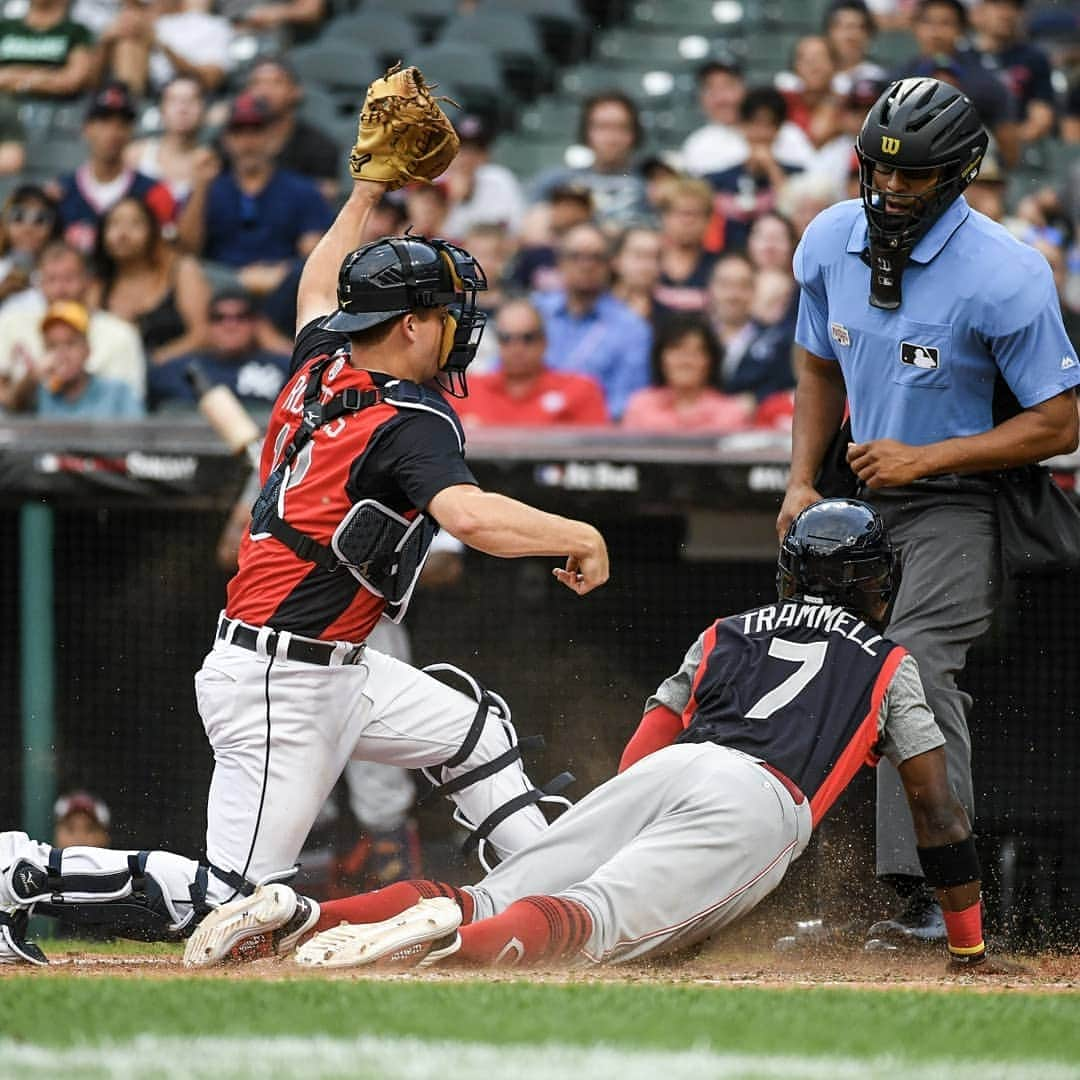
{"x":404,"y":135}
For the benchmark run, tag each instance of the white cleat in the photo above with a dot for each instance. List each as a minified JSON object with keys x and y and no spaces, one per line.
{"x":419,"y":937}
{"x":270,"y":922}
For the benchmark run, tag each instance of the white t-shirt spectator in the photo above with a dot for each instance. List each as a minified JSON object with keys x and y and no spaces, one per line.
{"x":716,"y":147}
{"x":200,"y":38}
{"x":496,"y":200}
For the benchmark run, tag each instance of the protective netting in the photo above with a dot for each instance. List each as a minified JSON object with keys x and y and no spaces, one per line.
{"x":137,"y":592}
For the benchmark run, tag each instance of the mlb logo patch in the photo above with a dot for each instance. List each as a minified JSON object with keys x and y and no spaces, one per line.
{"x":840,"y":333}
{"x":920,"y":356}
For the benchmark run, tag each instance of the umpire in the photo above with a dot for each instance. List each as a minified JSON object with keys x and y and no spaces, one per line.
{"x":915,"y":309}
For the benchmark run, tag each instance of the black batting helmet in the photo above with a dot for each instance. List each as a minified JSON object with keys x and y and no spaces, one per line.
{"x":398,"y":274}
{"x":837,"y":551}
{"x":918,"y":124}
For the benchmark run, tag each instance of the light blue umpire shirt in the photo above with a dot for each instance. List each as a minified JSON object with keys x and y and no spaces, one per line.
{"x":975,"y":301}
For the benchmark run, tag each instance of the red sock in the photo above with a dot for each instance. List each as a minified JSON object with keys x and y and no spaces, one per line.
{"x":386,"y":903}
{"x":536,"y":928}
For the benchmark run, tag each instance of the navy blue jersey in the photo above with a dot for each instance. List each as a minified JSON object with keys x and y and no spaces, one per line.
{"x":799,"y":686}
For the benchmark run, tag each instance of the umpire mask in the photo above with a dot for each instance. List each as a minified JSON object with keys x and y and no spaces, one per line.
{"x":918,"y":126}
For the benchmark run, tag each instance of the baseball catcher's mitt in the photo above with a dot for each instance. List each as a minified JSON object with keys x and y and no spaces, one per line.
{"x":404,"y":136}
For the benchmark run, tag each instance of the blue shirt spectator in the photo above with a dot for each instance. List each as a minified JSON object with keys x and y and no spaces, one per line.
{"x":101,"y":399}
{"x":588,"y":330}
{"x":254,"y":213}
{"x":232,"y":358}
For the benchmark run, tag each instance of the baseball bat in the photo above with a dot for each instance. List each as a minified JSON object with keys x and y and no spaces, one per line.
{"x":225,"y":414}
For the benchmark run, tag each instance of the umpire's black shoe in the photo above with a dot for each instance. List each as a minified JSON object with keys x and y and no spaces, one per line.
{"x":919,"y":923}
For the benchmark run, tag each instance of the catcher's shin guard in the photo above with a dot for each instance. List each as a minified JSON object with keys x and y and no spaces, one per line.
{"x":490,"y":747}
{"x":147,"y":895}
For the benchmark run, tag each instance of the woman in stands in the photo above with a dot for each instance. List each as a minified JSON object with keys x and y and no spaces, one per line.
{"x":170,"y":156}
{"x":29,"y":222}
{"x":144,"y":281}
{"x":686,"y":368}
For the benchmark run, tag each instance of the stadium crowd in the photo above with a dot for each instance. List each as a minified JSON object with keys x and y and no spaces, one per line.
{"x":635,"y":282}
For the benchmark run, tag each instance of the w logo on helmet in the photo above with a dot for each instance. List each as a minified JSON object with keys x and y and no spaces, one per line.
{"x":889,"y":145}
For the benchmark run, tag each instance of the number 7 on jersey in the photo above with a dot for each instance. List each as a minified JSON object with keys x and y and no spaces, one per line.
{"x":810,"y":656}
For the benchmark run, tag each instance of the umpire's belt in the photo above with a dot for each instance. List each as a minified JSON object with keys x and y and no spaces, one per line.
{"x":286,"y":646}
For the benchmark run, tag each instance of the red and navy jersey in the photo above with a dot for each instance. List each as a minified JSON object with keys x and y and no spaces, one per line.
{"x":400,"y":457}
{"x":799,"y":686}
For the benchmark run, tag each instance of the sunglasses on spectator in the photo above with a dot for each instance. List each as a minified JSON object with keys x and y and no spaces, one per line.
{"x":585,"y":256}
{"x":530,"y":337}
{"x":24,"y":215}
{"x":230,"y":316}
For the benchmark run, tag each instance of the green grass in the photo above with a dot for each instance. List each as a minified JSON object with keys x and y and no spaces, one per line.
{"x":57,"y":947}
{"x":912,"y":1026}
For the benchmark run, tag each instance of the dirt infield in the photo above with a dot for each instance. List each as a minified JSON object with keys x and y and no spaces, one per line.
{"x":834,"y":967}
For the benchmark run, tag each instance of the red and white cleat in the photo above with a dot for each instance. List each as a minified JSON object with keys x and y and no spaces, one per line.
{"x":419,"y":937}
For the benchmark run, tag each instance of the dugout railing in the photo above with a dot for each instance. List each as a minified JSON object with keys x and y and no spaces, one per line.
{"x":110,"y":589}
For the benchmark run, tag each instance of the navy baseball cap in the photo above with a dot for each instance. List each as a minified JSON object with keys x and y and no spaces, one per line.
{"x":248,"y":111}
{"x":113,"y":99}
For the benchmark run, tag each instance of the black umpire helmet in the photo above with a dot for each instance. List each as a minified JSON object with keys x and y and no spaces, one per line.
{"x":398,"y":274}
{"x":918,"y":124}
{"x":837,"y":551}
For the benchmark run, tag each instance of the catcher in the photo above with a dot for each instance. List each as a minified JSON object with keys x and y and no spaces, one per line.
{"x":739,"y":755}
{"x":361,"y":465}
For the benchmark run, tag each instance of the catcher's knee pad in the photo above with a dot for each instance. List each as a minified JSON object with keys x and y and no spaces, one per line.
{"x":148,"y":895}
{"x":491,"y":708}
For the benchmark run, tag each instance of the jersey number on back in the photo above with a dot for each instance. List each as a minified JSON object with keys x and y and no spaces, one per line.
{"x":810,"y":657}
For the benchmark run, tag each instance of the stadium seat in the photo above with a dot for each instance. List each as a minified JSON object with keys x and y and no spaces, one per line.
{"x":551,"y":119}
{"x":561,"y":23}
{"x":655,"y":86}
{"x":527,"y":155}
{"x":471,"y":69}
{"x":343,"y":69}
{"x":49,"y":158}
{"x":890,"y":48}
{"x":690,"y":16}
{"x":428,"y":15}
{"x":389,"y":35}
{"x":513,"y":38}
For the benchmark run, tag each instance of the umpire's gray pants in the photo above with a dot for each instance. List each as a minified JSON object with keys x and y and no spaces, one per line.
{"x":951,"y":582}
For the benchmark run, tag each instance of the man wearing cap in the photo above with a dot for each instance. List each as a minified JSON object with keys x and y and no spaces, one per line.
{"x":252,"y":216}
{"x":233,"y":357}
{"x":58,"y":386}
{"x":87,"y":194}
{"x":939,"y":27}
{"x":481,"y":192}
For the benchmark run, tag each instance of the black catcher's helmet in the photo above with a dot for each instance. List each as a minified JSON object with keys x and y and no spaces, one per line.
{"x":397,"y":274}
{"x":916,"y":124}
{"x":837,"y":551}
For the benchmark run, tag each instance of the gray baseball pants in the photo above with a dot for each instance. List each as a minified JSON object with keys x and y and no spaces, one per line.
{"x":951,"y":581}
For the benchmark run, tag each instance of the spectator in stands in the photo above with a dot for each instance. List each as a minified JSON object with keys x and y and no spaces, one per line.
{"x":523,"y":391}
{"x":170,"y":156}
{"x":636,"y":265}
{"x":611,"y":129}
{"x":150,"y":43}
{"x":588,"y":330}
{"x":750,"y":189}
{"x":1023,"y":66}
{"x":685,"y":211}
{"x":426,"y":207}
{"x":492,"y":247}
{"x":939,"y":27}
{"x":58,"y":385}
{"x":1070,"y":122}
{"x":28,"y":224}
{"x":805,"y":196}
{"x":254,"y":217}
{"x":144,"y":281}
{"x":986,"y":193}
{"x":720,"y":145}
{"x":837,"y":157}
{"x":685,"y":399}
{"x":386,"y":219}
{"x":849,"y":29}
{"x":80,"y":820}
{"x":481,"y":192}
{"x":12,"y":137}
{"x":536,"y":264}
{"x":232,"y":357}
{"x":44,"y":53}
{"x":297,"y":145}
{"x":812,"y":103}
{"x":754,"y":362}
{"x":297,"y":17}
{"x":103,"y":180}
{"x":771,"y":243}
{"x":115,"y":349}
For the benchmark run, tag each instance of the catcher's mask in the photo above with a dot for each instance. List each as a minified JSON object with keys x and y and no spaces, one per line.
{"x":397,"y":274}
{"x":918,"y":125}
{"x":838,"y":552}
